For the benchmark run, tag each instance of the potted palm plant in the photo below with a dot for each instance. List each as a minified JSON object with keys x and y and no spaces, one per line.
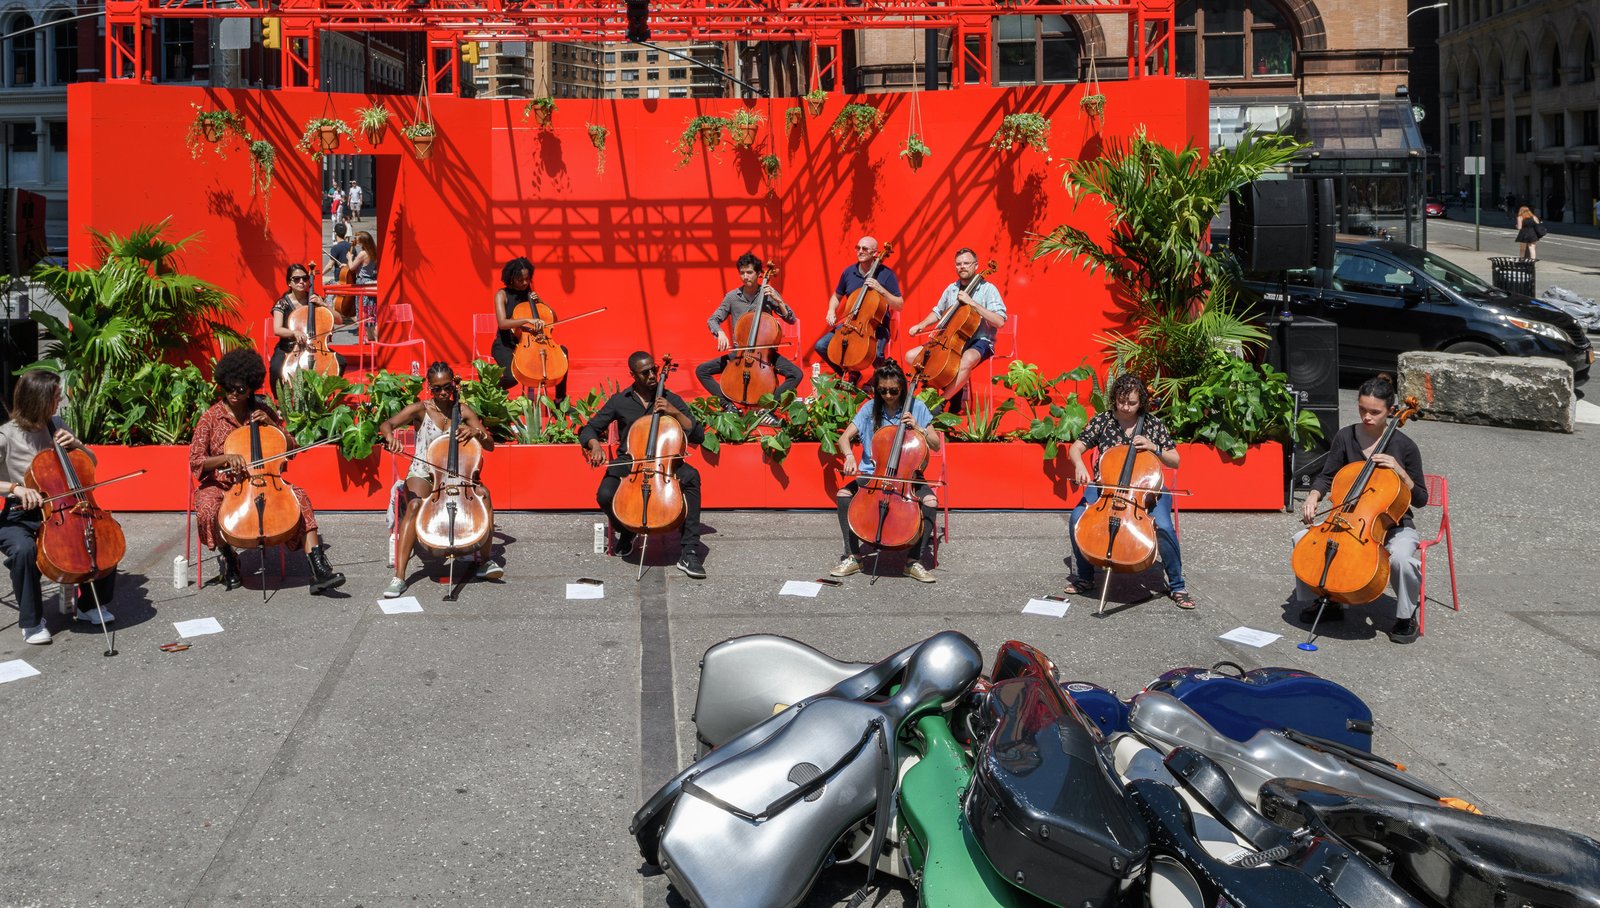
{"x":322,"y":135}
{"x":421,"y":134}
{"x":543,"y":110}
{"x":372,"y":121}
{"x":913,"y":149}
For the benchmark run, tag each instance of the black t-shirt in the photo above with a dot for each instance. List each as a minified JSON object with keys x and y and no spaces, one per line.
{"x":1346,"y":448}
{"x":624,"y":408}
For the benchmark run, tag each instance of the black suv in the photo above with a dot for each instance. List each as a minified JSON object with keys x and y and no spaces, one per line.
{"x":1389,"y":297}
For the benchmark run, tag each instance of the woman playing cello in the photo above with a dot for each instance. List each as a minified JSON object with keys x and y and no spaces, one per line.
{"x":33,"y":403}
{"x":1353,"y":444}
{"x":516,"y":280}
{"x":298,"y":295}
{"x":238,"y":376}
{"x":432,"y":419}
{"x":1130,"y":401}
{"x":887,"y":403}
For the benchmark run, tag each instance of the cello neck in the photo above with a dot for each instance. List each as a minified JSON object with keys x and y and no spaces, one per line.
{"x":454,"y":461}
{"x":73,"y":483}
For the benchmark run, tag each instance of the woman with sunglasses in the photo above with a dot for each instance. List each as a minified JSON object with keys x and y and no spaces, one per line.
{"x":516,"y":286}
{"x":299,"y":294}
{"x":238,"y":376}
{"x":883,"y":410}
{"x":431,"y":417}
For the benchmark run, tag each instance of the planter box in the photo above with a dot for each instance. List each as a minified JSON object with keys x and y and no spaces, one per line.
{"x":1010,"y":476}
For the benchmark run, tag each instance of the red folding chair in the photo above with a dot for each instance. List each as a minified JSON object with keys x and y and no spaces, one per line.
{"x":1005,"y":348}
{"x":484,"y":328}
{"x":1438,"y":496}
{"x":400,"y":326}
{"x":194,"y":552}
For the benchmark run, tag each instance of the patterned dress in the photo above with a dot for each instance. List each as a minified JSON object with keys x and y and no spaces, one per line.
{"x":209,"y":438}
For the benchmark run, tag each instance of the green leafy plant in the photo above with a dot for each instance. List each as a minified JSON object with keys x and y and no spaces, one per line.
{"x":317,"y":407}
{"x":701,"y":131}
{"x":387,"y":393}
{"x":419,"y":129}
{"x":913,"y":149}
{"x":1056,"y":415}
{"x":597,"y":138}
{"x":822,"y":417}
{"x":792,"y":118}
{"x":1028,"y":129}
{"x":213,"y":126}
{"x":983,"y":419}
{"x":485,"y":396}
{"x":134,"y":307}
{"x":1093,"y":105}
{"x":943,"y":420}
{"x":1179,"y":298}
{"x":159,"y":404}
{"x":856,"y":122}
{"x":263,"y":165}
{"x":558,"y":421}
{"x":742,"y":127}
{"x":771,"y":167}
{"x":1233,"y":403}
{"x":722,"y":426}
{"x":814,"y":99}
{"x":314,"y":141}
{"x":543,"y":110}
{"x":372,"y":121}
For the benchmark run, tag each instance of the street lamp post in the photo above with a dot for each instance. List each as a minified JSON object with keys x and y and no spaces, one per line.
{"x":1424,"y":8}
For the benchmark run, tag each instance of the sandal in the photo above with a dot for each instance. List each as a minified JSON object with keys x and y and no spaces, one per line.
{"x":1077,"y":587}
{"x":1182,"y":599}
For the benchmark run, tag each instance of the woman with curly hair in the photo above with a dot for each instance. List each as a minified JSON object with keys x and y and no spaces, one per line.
{"x":1129,"y":419}
{"x":238,"y":376}
{"x":516,"y":286}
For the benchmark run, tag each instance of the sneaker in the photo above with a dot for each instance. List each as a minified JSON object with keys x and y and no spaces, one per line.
{"x":690,"y":564}
{"x":1334,"y":612}
{"x":396,"y":587}
{"x":38,"y":636}
{"x":1405,"y":631}
{"x":916,"y":571}
{"x":850,"y":565}
{"x":622,"y":545}
{"x":490,"y":570}
{"x":770,"y":420}
{"x":95,"y":615}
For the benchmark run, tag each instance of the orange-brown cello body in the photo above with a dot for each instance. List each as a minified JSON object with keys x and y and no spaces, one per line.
{"x":854,"y":345}
{"x":650,"y":500}
{"x":941,"y":355}
{"x":454,"y":519}
{"x":78,"y":541}
{"x":538,"y":360}
{"x":1343,"y":557}
{"x":260,"y":509}
{"x":750,"y":373}
{"x":884,"y":510}
{"x":1117,"y":532}
{"x":316,"y":323}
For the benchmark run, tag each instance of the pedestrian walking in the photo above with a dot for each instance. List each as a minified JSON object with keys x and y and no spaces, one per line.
{"x":356,"y":199}
{"x":1529,"y":231}
{"x":335,"y":202}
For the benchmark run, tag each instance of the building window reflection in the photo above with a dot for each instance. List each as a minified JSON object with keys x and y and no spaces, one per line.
{"x":1233,"y":39}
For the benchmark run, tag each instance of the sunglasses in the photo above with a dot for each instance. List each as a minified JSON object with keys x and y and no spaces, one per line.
{"x":300,"y":279}
{"x":235,"y":389}
{"x":441,"y":390}
{"x":866,"y":249}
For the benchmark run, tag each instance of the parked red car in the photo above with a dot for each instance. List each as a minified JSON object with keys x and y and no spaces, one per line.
{"x":1433,"y":208}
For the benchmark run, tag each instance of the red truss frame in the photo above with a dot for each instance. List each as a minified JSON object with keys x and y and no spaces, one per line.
{"x":447,"y":23}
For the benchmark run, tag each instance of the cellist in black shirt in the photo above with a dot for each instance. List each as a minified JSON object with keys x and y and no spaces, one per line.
{"x":1352,"y":444}
{"x":624,"y":407}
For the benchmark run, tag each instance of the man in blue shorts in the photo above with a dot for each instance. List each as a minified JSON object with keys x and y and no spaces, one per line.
{"x":985,"y":298}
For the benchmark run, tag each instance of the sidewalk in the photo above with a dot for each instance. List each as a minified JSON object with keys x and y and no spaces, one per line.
{"x":1497,"y":242}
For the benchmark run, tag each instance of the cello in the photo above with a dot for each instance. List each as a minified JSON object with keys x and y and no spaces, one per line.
{"x":538,"y":360}
{"x":1343,"y":557}
{"x":78,"y":541}
{"x":316,"y":323}
{"x":884,"y":511}
{"x":454,"y":518}
{"x":260,"y":508}
{"x":941,"y":356}
{"x":750,"y":374}
{"x":1118,"y":533}
{"x":854,"y":345}
{"x":650,"y":500}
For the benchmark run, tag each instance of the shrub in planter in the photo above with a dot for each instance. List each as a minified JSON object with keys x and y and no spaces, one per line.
{"x":421,"y":134}
{"x":597,"y":138}
{"x":702,"y":131}
{"x":792,"y":118}
{"x":742,"y":127}
{"x":814,"y":100}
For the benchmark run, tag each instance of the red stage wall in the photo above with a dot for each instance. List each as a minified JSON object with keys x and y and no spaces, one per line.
{"x":653,"y":243}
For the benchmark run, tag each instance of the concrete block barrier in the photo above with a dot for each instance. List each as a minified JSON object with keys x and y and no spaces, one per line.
{"x":1519,"y":392}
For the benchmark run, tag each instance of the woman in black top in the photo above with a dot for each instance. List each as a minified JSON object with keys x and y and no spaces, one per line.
{"x":1355,"y":443}
{"x":516,"y":280}
{"x":299,"y":294}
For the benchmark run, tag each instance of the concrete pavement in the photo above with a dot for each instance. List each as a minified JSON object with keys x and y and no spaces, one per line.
{"x":490,"y":751}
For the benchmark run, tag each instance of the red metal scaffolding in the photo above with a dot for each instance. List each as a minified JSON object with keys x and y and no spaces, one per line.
{"x":448,"y":23}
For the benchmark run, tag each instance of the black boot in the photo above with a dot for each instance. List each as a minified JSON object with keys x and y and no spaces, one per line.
{"x":230,"y":567}
{"x":323,"y":576}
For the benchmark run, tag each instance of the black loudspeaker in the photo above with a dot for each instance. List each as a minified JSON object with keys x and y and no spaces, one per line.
{"x":19,"y":346}
{"x":22,"y":219}
{"x":1307,"y":350}
{"x":1279,"y":225}
{"x":1305,"y":461}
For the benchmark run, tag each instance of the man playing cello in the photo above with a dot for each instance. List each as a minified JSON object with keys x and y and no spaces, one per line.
{"x":740,"y":301}
{"x":862,"y":274}
{"x":985,"y":299}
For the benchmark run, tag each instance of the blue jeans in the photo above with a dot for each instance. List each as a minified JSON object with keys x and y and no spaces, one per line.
{"x":1166,"y":541}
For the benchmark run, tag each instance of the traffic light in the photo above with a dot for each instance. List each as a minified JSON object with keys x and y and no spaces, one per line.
{"x":638,"y":21}
{"x":271,"y":33}
{"x":469,"y":53}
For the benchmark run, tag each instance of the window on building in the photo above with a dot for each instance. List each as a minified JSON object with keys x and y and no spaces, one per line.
{"x":652,"y":57}
{"x":611,"y":56}
{"x":58,"y":152}
{"x":1233,"y":39}
{"x":677,"y":92}
{"x":630,"y":75}
{"x":611,"y":76}
{"x":1497,"y":134}
{"x":653,"y":75}
{"x":630,"y":56}
{"x":1030,"y":50}
{"x":177,"y":49}
{"x":652,"y":93}
{"x":1475,"y":137}
{"x":678,"y":73}
{"x":1586,"y":70}
{"x":630,"y":92}
{"x":1555,"y":130}
{"x":21,"y":51}
{"x":1555,"y":66}
{"x":1589,"y":124}
{"x":1527,"y":72}
{"x":22,"y":154}
{"x":64,"y":53}
{"x":1524,"y":133}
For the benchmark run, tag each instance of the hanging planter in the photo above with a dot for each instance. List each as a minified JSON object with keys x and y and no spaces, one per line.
{"x":1093,"y":103}
{"x":322,"y":136}
{"x":742,"y":127}
{"x":856,"y":122}
{"x":597,"y":137}
{"x":263,"y":164}
{"x":542,"y":109}
{"x":704,"y":131}
{"x":421,"y":135}
{"x":914,"y":150}
{"x":770,"y":168}
{"x":791,"y":119}
{"x":1029,"y":129}
{"x":373,"y":121}
{"x":212,"y":126}
{"x":814,"y":100}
